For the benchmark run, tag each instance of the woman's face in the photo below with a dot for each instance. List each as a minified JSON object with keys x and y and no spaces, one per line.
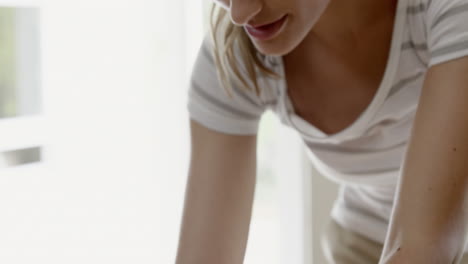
{"x":296,"y":19}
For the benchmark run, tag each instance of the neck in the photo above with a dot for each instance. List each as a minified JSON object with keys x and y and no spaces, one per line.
{"x":345,"y":23}
{"x":348,"y":19}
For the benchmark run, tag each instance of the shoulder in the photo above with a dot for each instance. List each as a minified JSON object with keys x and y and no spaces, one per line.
{"x":210,"y":103}
{"x":445,"y":9}
{"x":446,"y":29}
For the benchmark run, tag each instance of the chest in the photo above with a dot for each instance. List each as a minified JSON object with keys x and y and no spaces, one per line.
{"x":333,"y":91}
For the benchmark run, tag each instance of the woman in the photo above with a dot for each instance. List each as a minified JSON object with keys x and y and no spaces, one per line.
{"x":376,"y":89}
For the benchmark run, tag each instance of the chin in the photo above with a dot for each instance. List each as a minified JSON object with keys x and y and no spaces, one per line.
{"x":273,"y":47}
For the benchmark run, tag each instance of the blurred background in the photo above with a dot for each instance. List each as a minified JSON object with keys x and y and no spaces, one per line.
{"x":94,"y":139}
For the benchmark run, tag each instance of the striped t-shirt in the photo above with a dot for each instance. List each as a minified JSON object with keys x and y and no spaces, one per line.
{"x":366,"y":157}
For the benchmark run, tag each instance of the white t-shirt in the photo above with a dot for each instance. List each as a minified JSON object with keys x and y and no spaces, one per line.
{"x":366,"y":157}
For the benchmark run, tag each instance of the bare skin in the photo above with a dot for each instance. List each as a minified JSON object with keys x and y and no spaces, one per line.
{"x":332,"y":90}
{"x":335,"y":52}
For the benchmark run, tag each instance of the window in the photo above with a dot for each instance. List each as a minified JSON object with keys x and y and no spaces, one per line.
{"x":20,"y":87}
{"x":19,"y":83}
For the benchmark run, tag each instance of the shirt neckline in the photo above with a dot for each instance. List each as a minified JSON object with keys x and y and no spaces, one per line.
{"x":311,"y":132}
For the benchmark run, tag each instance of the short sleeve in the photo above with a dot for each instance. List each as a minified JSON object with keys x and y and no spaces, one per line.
{"x":447,"y":30}
{"x":210,"y":104}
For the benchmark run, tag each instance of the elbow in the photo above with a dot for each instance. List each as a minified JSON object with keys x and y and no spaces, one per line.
{"x":425,"y":254}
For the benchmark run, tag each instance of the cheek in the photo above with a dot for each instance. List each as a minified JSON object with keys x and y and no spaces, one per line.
{"x":310,"y":10}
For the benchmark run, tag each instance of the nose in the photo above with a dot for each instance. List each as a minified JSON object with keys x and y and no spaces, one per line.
{"x":242,"y":11}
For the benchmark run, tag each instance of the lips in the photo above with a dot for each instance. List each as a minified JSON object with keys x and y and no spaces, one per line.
{"x":265,"y":25}
{"x":268,"y":31}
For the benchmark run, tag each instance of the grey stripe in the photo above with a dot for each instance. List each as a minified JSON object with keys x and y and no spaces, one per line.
{"x":349,"y":150}
{"x":216,"y":102}
{"x":412,"y":10}
{"x":398,"y":86}
{"x":449,"y":49}
{"x":378,"y":171}
{"x":412,"y":45}
{"x":450,"y":12}
{"x":271,"y":102}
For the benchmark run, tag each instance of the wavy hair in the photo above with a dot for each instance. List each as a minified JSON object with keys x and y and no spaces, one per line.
{"x":225,"y":35}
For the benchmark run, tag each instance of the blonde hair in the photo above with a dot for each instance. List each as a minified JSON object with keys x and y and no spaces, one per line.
{"x":225,"y":58}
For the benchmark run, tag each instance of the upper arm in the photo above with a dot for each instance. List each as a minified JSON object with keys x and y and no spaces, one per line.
{"x":212,"y":149}
{"x":223,"y":128}
{"x":222,"y":159}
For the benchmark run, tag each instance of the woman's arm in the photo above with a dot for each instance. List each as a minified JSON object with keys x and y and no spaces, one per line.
{"x":430,"y":217}
{"x":218,"y":198}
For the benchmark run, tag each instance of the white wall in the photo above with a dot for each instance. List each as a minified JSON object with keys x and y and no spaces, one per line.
{"x":101,"y":196}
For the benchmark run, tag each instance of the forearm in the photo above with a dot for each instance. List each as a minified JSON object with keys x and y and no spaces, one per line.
{"x":216,"y":217}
